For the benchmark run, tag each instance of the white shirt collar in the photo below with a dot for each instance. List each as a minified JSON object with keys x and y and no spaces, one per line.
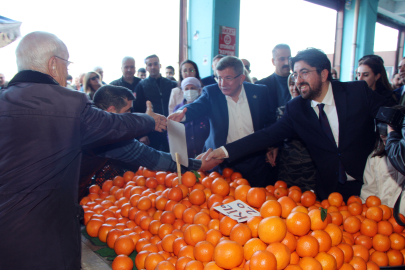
{"x":327,"y":100}
{"x":242,"y":95}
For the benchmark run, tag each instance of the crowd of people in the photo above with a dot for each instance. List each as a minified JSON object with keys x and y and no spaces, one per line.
{"x":300,"y":125}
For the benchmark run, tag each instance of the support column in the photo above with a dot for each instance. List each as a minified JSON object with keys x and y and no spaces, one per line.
{"x":365,"y":35}
{"x":204,"y":21}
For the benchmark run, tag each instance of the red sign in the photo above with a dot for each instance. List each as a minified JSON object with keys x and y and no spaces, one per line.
{"x":227,"y":40}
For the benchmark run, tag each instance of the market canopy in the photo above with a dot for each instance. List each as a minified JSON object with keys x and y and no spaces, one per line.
{"x":9,"y":31}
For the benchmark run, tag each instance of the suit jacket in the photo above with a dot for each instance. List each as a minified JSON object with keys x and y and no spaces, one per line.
{"x":208,"y":80}
{"x":271,"y":83}
{"x":212,"y":103}
{"x":356,"y":106}
{"x":398,"y":94}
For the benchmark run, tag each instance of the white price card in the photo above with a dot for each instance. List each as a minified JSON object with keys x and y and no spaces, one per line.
{"x":238,"y":210}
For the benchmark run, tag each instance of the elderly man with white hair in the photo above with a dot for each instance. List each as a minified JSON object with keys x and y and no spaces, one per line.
{"x":44,"y":127}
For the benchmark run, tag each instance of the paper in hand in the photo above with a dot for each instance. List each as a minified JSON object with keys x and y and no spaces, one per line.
{"x":177,"y":141}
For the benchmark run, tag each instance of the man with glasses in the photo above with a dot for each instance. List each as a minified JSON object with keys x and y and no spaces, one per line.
{"x":235,"y":109}
{"x":212,"y":79}
{"x":334,"y":119}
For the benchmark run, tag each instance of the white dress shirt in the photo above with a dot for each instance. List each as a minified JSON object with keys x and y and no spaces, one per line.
{"x":331,"y":113}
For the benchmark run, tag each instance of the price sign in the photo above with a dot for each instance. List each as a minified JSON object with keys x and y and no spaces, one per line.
{"x":238,"y":210}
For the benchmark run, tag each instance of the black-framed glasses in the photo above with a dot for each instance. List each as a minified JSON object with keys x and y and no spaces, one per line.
{"x":228,"y":79}
{"x":68,"y":62}
{"x":94,"y":78}
{"x":303,"y":74}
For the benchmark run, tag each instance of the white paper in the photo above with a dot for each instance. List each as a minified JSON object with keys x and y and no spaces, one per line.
{"x":238,"y":210}
{"x":177,"y":141}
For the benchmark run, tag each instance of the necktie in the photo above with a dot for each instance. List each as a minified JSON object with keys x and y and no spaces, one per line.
{"x":323,"y":120}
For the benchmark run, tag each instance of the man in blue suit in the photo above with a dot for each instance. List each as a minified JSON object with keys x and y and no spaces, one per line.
{"x":235,"y":109}
{"x":335,"y":120}
{"x":399,"y":93}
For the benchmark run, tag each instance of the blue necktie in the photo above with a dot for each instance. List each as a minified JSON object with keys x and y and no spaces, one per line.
{"x":323,"y":120}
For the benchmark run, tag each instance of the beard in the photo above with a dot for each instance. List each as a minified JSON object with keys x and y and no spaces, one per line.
{"x":312,"y":93}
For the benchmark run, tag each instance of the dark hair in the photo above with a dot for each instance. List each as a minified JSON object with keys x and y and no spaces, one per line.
{"x":197,"y":73}
{"x":280,"y":46}
{"x":69,"y":77}
{"x":377,"y":66}
{"x":151,"y":56}
{"x":111,"y":95}
{"x":218,"y":56}
{"x":142,"y":70}
{"x":233,"y":62}
{"x":170,"y":67}
{"x":315,"y":58}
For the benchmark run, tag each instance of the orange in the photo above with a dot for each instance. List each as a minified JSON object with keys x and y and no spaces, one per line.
{"x":358,"y":263}
{"x":213,"y":236}
{"x":124,"y":245}
{"x":327,"y":261}
{"x":165,"y":265}
{"x":122,"y":262}
{"x":197,"y":197}
{"x":212,"y":266}
{"x":338,"y":254}
{"x":256,"y":197}
{"x":270,"y":208}
{"x":387,"y":212}
{"x":194,"y":265}
{"x":175,"y":194}
{"x":381,"y":242}
{"x":301,"y":209}
{"x":140,"y":259}
{"x":380,"y":258}
{"x":335,"y":199}
{"x":347,"y":251}
{"x":103,"y":231}
{"x":395,"y":258}
{"x":347,"y":266}
{"x":241,"y":192}
{"x":298,"y":223}
{"x":397,"y":228}
{"x":94,"y":189}
{"x":280,"y":192}
{"x":240,"y":233}
{"x":375,"y":213}
{"x":272,"y":229}
{"x":152,"y":260}
{"x":203,"y":251}
{"x":352,"y":224}
{"x":118,"y":181}
{"x":93,"y":226}
{"x":337,"y":218}
{"x":226,"y":224}
{"x":228,"y":254}
{"x":201,"y":218}
{"x":178,"y":244}
{"x":385,"y":227}
{"x":213,"y":199}
{"x":294,"y":258}
{"x":182,"y":262}
{"x":308,"y":198}
{"x":280,"y":183}
{"x":148,"y":173}
{"x":397,"y":241}
{"x":369,"y":227}
{"x":194,"y":234}
{"x":290,"y":241}
{"x":353,"y":199}
{"x":112,"y":236}
{"x":307,"y":246}
{"x":188,"y":179}
{"x":295,"y":195}
{"x":361,"y":251}
{"x":373,"y":201}
{"x":263,"y":260}
{"x":324,"y":240}
{"x":107,"y":185}
{"x":167,"y":217}
{"x":220,"y":186}
{"x":316,"y":221}
{"x":188,"y":215}
{"x":364,"y":240}
{"x":167,"y":242}
{"x":293,"y":267}
{"x":253,"y":224}
{"x":253,"y":245}
{"x":187,"y":251}
{"x":309,"y":263}
{"x":372,"y":266}
{"x":282,"y":254}
{"x":164,"y":230}
{"x":355,"y":208}
{"x":287,"y":205}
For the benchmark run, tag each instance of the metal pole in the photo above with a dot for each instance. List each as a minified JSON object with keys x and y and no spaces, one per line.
{"x":355,"y":26}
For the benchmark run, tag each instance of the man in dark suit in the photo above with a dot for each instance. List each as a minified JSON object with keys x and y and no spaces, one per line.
{"x":235,"y":109}
{"x":212,"y":78}
{"x":399,"y":92}
{"x":278,"y":80}
{"x":335,"y":120}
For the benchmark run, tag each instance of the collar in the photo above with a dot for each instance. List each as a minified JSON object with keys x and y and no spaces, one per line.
{"x":124,"y":81}
{"x":32,"y":76}
{"x":327,"y":100}
{"x":242,"y":95}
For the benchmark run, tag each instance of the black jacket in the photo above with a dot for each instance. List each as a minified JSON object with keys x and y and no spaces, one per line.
{"x":395,"y":148}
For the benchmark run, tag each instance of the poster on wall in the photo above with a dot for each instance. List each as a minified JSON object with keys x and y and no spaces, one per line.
{"x":227,"y":40}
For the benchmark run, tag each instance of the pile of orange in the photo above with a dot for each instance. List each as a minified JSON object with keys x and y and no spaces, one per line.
{"x":175,"y":226}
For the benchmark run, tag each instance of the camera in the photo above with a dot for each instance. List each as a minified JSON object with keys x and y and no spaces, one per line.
{"x":389,"y":116}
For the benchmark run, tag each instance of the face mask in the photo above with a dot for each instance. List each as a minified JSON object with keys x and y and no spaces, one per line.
{"x":190,"y":95}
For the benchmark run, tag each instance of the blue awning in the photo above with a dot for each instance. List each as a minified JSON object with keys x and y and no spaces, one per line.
{"x":9,"y":31}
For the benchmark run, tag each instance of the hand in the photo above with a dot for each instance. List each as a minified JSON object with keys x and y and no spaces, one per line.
{"x":272,"y":155}
{"x":177,"y":116}
{"x":160,"y":120}
{"x":208,"y":165}
{"x":389,"y":129}
{"x":144,"y":140}
{"x":216,"y":154}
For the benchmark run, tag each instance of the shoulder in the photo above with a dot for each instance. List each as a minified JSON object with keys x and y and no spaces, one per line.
{"x":212,"y":88}
{"x":254,"y":87}
{"x":266,"y":80}
{"x":115,"y":82}
{"x":350,"y":86}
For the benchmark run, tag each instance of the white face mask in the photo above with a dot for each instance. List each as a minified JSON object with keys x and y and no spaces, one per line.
{"x":190,"y":95}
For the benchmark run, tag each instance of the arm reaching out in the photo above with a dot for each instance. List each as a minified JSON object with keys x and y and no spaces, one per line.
{"x":216,"y":154}
{"x":160,"y":120}
{"x":208,"y":165}
{"x":177,"y":116}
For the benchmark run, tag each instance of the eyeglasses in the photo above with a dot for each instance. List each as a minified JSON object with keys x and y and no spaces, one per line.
{"x":303,"y":74}
{"x":68,"y":62}
{"x":228,"y":79}
{"x":94,"y":78}
{"x":190,"y":70}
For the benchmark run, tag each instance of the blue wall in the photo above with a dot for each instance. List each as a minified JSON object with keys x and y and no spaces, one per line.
{"x":206,"y":16}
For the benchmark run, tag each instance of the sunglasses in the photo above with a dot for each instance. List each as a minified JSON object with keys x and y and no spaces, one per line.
{"x":94,"y":78}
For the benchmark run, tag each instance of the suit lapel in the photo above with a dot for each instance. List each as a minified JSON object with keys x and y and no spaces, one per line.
{"x":223,"y":114}
{"x":341,"y":107}
{"x":253,"y":101}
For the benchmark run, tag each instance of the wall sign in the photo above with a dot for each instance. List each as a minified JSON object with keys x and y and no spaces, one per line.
{"x":227,"y":40}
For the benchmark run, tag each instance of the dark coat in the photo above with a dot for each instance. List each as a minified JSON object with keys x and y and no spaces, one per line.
{"x":44,"y":128}
{"x":356,"y":106}
{"x":212,"y":104}
{"x":208,"y":80}
{"x":274,"y":94}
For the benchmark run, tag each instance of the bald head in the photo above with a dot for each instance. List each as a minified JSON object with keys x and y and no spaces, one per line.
{"x":43,"y":52}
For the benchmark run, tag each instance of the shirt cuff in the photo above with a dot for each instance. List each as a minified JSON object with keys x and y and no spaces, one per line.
{"x":225,"y":152}
{"x":193,"y":164}
{"x":183,"y":119}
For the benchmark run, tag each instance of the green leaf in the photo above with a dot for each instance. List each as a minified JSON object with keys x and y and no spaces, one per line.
{"x":197,"y":175}
{"x":324,"y":213}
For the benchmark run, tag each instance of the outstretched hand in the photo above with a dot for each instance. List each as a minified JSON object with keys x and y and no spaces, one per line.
{"x":216,"y":154}
{"x":208,"y":165}
{"x":271,"y":155}
{"x":177,"y":116}
{"x":160,"y":120}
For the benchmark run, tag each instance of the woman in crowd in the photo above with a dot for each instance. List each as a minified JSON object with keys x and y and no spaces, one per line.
{"x":197,"y":131}
{"x":296,"y":167}
{"x":187,"y":69}
{"x":381,"y":179}
{"x":371,"y":70}
{"x":91,"y":83}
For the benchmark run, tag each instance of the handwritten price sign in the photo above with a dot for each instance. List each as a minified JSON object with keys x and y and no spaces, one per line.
{"x":238,"y":211}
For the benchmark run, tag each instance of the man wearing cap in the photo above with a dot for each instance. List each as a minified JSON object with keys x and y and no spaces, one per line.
{"x":235,"y":109}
